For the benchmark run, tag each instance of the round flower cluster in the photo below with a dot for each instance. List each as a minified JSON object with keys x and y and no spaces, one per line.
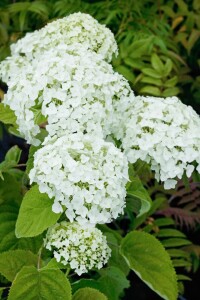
{"x":78,"y":31}
{"x":82,"y":248}
{"x":85,"y":175}
{"x":164,"y":133}
{"x":73,"y":93}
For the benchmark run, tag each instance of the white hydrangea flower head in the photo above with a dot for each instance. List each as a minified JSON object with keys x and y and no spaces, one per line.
{"x":165,"y":133}
{"x":77,"y":30}
{"x":85,"y":176}
{"x":74,"y":93}
{"x":82,"y":248}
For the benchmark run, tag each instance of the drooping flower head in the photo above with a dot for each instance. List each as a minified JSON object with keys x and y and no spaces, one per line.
{"x":82,"y":248}
{"x":78,"y":31}
{"x":165,"y":133}
{"x":85,"y":176}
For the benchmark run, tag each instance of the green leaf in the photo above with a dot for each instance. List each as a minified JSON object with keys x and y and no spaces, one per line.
{"x":31,"y":283}
{"x":7,"y":116}
{"x":140,"y":47}
{"x":151,"y":80}
{"x":13,"y":130}
{"x":175,"y":242}
{"x":136,"y":191}
{"x":178,"y":253}
{"x":53,"y":264}
{"x":116,"y":260}
{"x":13,"y":155}
{"x":169,"y":233}
{"x":38,"y":117}
{"x":89,"y":294}
{"x":35,"y":214}
{"x":126,"y":72}
{"x":11,"y":160}
{"x":148,"y":259}
{"x":82,"y":283}
{"x":181,"y":263}
{"x":183,"y":277}
{"x":171,"y":82}
{"x":173,"y":91}
{"x":29,"y":164}
{"x":150,"y":90}
{"x":157,"y":63}
{"x":12,"y":261}
{"x":151,"y":72}
{"x":135,"y":64}
{"x":8,"y":240}
{"x":112,"y":282}
{"x":164,"y":222}
{"x":168,"y":67}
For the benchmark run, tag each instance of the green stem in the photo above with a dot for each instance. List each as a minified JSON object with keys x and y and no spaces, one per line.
{"x":39,"y":257}
{"x":67,"y":271}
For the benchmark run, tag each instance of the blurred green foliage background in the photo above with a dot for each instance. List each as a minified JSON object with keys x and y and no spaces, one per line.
{"x":159,"y":41}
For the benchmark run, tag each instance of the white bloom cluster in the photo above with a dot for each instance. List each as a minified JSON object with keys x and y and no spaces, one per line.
{"x":85,"y":175}
{"x":78,"y":31}
{"x":164,"y":133}
{"x":75,"y":93}
{"x":82,"y":248}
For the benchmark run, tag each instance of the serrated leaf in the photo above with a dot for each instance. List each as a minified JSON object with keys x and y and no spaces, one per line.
{"x":137,"y":191}
{"x":7,"y":116}
{"x":35,"y":214}
{"x":31,"y":283}
{"x":12,"y":261}
{"x":148,"y":259}
{"x":89,"y":294}
{"x":8,"y":240}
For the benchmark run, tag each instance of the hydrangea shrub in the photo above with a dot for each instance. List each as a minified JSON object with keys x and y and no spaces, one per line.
{"x":60,"y":81}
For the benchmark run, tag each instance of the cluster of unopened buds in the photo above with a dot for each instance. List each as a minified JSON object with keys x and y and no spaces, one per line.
{"x":61,"y":76}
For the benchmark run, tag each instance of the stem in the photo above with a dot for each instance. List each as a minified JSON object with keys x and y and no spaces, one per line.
{"x":20,"y":165}
{"x":67,"y":271}
{"x":39,"y":257}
